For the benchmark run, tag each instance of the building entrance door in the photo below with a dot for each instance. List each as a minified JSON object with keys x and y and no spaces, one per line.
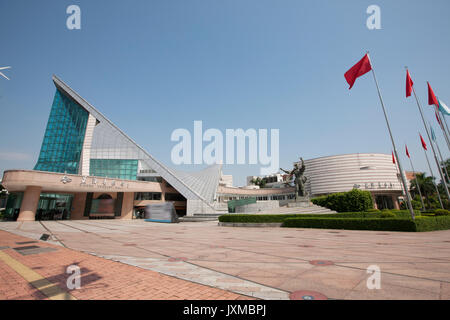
{"x":54,"y":207}
{"x":384,"y":202}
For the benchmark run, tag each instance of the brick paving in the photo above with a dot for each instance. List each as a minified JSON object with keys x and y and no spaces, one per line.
{"x":100,"y":278}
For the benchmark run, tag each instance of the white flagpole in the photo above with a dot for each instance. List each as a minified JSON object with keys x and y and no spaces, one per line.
{"x":431,"y":172}
{"x":442,"y":117}
{"x":417,"y":184}
{"x":402,"y":174}
{"x":429,"y":139}
{"x":442,"y":161}
{"x":445,"y":121}
{"x":438,"y":114}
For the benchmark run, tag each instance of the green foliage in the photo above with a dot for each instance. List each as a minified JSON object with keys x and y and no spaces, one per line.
{"x":352,"y":201}
{"x":420,"y":224}
{"x":387,"y":214}
{"x":386,"y":220}
{"x":259,"y":218}
{"x":441,"y":212}
{"x":428,"y":189}
{"x":424,"y":224}
{"x":274,"y":218}
{"x":352,"y":224}
{"x":417,"y":205}
{"x":259,"y":182}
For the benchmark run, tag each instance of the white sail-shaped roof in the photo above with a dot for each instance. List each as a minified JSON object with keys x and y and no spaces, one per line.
{"x":109,"y":142}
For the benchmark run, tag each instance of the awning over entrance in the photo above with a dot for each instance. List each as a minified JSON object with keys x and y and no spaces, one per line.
{"x":18,"y":180}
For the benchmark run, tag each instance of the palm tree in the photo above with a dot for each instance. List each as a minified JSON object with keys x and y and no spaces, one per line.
{"x":426,"y":184}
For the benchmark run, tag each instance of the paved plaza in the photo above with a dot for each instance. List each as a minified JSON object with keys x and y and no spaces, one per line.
{"x":166,"y":260}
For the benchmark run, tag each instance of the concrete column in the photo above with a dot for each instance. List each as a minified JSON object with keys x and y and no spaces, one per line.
{"x":127,"y":206}
{"x":30,"y":203}
{"x":396,"y":203}
{"x":78,"y":204}
{"x":163,"y":190}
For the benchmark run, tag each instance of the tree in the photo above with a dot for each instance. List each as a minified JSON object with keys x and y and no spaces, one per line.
{"x":446,"y":164}
{"x":426,"y":184}
{"x":259,"y":182}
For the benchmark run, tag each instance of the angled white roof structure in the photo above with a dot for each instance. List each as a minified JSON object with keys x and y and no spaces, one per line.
{"x":104,"y":140}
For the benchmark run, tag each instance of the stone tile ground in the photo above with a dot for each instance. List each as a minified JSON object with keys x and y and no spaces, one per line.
{"x":266,"y":263}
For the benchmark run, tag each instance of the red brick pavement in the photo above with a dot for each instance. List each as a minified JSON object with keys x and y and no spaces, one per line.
{"x":100,"y":278}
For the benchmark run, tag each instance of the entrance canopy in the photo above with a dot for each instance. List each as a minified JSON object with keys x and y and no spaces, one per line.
{"x":18,"y":180}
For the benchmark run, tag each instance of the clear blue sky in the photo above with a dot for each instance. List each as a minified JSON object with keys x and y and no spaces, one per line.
{"x":154,"y":66}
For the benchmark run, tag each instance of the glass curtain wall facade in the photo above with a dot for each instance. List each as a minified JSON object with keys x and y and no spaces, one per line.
{"x":114,"y":168}
{"x":80,"y":140}
{"x":64,"y":136}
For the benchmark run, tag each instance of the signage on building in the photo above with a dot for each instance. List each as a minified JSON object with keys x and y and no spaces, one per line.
{"x":94,"y":182}
{"x":375,"y":185}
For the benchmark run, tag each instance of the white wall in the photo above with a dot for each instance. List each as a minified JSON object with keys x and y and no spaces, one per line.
{"x":372,"y":172}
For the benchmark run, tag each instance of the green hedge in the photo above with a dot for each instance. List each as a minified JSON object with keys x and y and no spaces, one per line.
{"x":395,"y":220}
{"x":352,"y":201}
{"x":273,"y":218}
{"x":376,"y":224}
{"x":441,"y":212}
{"x":259,"y":218}
{"x":432,"y":223}
{"x":421,"y":224}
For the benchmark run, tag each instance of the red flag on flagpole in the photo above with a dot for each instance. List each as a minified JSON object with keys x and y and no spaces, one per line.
{"x":407,"y":152}
{"x":409,"y":84}
{"x":358,"y":70}
{"x":393,"y":158}
{"x":431,"y":97}
{"x":424,"y":145}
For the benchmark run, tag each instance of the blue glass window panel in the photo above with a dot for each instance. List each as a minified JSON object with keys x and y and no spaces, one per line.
{"x":114,"y":168}
{"x":64,"y":136}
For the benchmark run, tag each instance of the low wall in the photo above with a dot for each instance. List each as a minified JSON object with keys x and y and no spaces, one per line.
{"x":258,"y":206}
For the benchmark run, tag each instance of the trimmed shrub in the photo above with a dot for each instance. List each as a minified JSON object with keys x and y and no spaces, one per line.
{"x":424,"y":224}
{"x":352,"y":201}
{"x":420,"y":224}
{"x":441,"y":212}
{"x":260,"y":218}
{"x":274,"y":218}
{"x":387,"y":214}
{"x":375,"y":224}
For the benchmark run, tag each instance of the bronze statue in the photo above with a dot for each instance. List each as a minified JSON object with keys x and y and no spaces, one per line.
{"x":300,"y":179}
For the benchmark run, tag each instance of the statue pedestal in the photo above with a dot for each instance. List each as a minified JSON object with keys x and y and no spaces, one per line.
{"x":302,"y":202}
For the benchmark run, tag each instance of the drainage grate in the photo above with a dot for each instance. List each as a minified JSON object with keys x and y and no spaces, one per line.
{"x":28,"y":250}
{"x":44,"y":237}
{"x":26,"y":242}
